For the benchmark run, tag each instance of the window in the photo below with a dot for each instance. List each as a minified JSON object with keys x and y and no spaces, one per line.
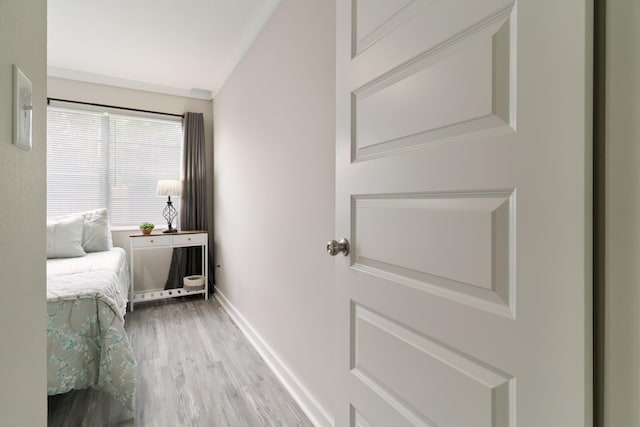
{"x":98,"y":159}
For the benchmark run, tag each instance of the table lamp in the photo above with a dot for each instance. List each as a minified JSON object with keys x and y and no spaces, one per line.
{"x":169,"y":187}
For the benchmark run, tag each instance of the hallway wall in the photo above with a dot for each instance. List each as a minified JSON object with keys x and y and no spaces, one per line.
{"x":274,"y":132}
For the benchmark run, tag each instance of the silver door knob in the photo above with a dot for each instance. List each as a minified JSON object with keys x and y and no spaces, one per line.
{"x":334,"y":248}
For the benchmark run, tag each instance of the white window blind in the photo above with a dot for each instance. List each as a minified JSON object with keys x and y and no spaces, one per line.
{"x":98,"y":159}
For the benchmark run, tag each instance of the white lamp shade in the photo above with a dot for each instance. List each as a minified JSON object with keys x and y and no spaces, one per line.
{"x":169,"y":187}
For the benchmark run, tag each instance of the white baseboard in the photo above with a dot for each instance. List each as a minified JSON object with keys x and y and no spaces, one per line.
{"x":309,"y":405}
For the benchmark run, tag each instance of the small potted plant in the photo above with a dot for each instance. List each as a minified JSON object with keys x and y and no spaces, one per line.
{"x":146,"y":227}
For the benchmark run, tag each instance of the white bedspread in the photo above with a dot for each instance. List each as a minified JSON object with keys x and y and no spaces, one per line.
{"x":93,"y":275}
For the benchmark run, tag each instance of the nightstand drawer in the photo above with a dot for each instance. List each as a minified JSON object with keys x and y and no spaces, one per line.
{"x":151,"y":241}
{"x":189,"y":239}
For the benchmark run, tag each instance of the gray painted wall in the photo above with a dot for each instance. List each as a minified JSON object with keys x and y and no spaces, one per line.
{"x":274,"y":190}
{"x":622,"y":214}
{"x":22,"y":227}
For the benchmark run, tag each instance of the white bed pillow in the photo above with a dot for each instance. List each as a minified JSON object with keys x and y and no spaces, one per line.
{"x":64,"y":238}
{"x":96,"y":236}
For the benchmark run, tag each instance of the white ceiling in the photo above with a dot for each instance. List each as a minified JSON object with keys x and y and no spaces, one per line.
{"x":180,"y":47}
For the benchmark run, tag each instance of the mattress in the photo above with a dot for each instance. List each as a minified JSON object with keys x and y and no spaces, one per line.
{"x":87,"y":345}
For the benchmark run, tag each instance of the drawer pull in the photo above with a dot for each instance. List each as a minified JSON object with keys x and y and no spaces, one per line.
{"x":189,"y":239}
{"x":151,"y":241}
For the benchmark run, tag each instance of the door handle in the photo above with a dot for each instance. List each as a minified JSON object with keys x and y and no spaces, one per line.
{"x":334,"y":248}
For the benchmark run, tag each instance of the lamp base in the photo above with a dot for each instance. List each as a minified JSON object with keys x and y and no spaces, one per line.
{"x":169,"y":213}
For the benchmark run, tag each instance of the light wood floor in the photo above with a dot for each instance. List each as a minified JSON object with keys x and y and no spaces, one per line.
{"x":195,"y":368}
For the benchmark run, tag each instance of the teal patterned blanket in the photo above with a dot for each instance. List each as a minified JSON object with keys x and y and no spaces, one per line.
{"x":87,"y":345}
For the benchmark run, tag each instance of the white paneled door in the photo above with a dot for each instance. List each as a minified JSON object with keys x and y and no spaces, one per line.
{"x":464,"y":188}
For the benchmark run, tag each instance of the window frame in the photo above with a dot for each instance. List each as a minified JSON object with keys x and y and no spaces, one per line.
{"x":109,"y":115}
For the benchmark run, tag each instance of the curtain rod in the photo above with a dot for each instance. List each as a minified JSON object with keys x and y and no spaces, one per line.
{"x":113,"y":106}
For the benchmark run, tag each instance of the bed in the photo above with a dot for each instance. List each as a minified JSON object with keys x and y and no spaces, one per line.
{"x":87,"y":345}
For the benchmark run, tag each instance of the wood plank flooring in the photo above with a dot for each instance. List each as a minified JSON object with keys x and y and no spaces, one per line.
{"x":195,"y":368}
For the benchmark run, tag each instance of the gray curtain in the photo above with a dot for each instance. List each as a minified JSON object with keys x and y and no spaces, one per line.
{"x":193,"y":205}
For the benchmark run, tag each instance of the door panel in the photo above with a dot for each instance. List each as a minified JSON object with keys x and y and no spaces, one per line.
{"x":454,"y":245}
{"x":426,"y":376}
{"x":374,"y":19}
{"x":463,"y":184}
{"x":403,"y":109}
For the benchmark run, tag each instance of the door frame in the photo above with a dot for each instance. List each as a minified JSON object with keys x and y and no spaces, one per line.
{"x":599,"y":75}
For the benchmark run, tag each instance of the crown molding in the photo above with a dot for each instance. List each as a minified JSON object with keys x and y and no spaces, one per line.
{"x":82,"y":76}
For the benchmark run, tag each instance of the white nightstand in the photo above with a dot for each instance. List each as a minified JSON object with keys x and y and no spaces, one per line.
{"x":180,"y":239}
